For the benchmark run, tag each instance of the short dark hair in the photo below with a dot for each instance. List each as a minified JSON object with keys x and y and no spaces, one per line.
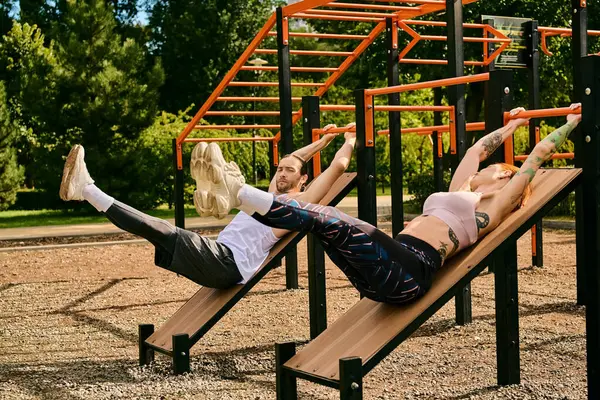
{"x":303,"y":168}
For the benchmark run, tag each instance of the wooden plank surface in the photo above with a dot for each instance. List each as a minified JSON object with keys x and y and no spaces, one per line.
{"x":207,"y":302}
{"x":369,"y":325}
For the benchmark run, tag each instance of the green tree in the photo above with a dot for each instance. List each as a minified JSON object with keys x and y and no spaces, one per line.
{"x":11,"y":174}
{"x":6,"y":7}
{"x":198,"y":41}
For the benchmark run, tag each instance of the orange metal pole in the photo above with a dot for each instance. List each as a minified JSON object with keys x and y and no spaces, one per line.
{"x":370,"y":6}
{"x":320,"y":131}
{"x":369,"y":121}
{"x":336,"y":17}
{"x":337,"y":107}
{"x":556,"y":156}
{"x":221,"y":87}
{"x":361,"y":14}
{"x":302,"y":6}
{"x":317,"y":157}
{"x":452,"y":126}
{"x":427,"y":130}
{"x":276,"y":84}
{"x":429,"y":2}
{"x":250,"y":99}
{"x":414,"y":108}
{"x":223,"y":127}
{"x":237,"y":139}
{"x":307,"y":52}
{"x":429,"y":84}
{"x":293,"y":69}
{"x":323,"y":35}
{"x":440,"y":146}
{"x":543,"y":113}
{"x":242,"y":113}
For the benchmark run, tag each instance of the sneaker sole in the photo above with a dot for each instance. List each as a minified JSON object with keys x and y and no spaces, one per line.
{"x":68,"y":172}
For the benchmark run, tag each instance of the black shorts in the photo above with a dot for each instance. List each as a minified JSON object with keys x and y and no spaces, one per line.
{"x":201,"y":260}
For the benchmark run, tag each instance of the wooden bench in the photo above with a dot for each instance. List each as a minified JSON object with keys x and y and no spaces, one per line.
{"x":369,"y":331}
{"x":200,"y":313}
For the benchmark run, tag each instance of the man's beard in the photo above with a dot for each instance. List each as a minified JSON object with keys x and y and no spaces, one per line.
{"x":284,"y":187}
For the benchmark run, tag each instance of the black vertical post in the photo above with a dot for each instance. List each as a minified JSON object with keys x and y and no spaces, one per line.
{"x":272,"y":161}
{"x":178,"y":191}
{"x":365,"y":163}
{"x":507,"y":315}
{"x":181,"y":353}
{"x":498,"y":99}
{"x":316,"y":254}
{"x":456,"y":98}
{"x":533,"y":65}
{"x":285,"y":120}
{"x":438,"y":162}
{"x":395,"y":129}
{"x":146,"y":354}
{"x":351,"y":386}
{"x":286,"y":385}
{"x":579,"y":49}
{"x":589,"y":155}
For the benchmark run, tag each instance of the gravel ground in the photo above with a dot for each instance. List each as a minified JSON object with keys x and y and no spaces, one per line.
{"x":70,"y":316}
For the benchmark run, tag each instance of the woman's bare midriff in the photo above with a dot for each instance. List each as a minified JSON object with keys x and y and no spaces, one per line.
{"x":433,"y":231}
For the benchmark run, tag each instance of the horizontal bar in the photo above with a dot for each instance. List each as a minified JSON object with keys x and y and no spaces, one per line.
{"x":563,"y":31}
{"x":276,"y":84}
{"x":349,"y":107}
{"x":543,"y":113}
{"x":237,"y":139}
{"x":293,"y":69}
{"x":308,"y":52}
{"x":242,"y":113}
{"x":429,"y":84}
{"x":555,"y":156}
{"x":425,"y":61}
{"x":204,"y":127}
{"x":319,"y":131}
{"x":323,"y":35}
{"x":250,"y":99}
{"x":360,"y":14}
{"x":336,"y":17}
{"x":441,"y":23}
{"x":471,"y":126}
{"x":370,"y":6}
{"x":431,"y":2}
{"x":467,"y":39}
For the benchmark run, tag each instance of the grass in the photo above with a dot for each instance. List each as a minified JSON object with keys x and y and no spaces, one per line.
{"x":22,"y":219}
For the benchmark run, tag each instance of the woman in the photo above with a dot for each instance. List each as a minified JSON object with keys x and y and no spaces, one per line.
{"x":400,"y":270}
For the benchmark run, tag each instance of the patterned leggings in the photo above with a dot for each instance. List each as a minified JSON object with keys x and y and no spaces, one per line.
{"x":381,"y":268}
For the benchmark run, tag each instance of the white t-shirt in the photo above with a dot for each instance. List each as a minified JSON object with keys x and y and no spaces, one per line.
{"x":249,"y":241}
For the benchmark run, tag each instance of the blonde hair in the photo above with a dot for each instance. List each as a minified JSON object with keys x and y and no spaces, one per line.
{"x":527,"y":192}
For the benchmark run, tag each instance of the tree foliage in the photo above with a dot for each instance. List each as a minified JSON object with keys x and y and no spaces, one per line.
{"x":11,"y":174}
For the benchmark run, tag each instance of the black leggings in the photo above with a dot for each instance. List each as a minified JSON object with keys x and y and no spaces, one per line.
{"x":381,"y":268}
{"x":160,"y":233}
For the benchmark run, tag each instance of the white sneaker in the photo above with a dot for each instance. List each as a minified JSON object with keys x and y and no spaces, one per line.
{"x":75,"y":175}
{"x":226,"y":180}
{"x":204,"y":202}
{"x":198,"y":165}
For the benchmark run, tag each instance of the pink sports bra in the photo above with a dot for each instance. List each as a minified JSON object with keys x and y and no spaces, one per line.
{"x":457,"y":209}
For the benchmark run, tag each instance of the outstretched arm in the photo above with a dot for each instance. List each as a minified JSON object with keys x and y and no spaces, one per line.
{"x":319,"y":188}
{"x":305,"y":153}
{"x":541,"y":152}
{"x":482,"y":149}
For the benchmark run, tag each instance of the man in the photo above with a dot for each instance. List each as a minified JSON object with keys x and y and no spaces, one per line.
{"x":244,"y":244}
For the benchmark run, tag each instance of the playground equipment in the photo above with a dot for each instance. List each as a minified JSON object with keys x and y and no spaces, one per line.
{"x":389,"y":18}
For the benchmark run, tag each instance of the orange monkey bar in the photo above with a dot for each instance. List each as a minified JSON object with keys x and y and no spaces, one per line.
{"x":251,"y":99}
{"x":237,"y":139}
{"x":293,"y":69}
{"x":429,"y":84}
{"x":556,"y":156}
{"x":323,"y":35}
{"x":337,"y":17}
{"x":350,"y":107}
{"x":509,"y":149}
{"x":471,"y":126}
{"x":369,"y":6}
{"x":243,"y":113}
{"x":563,"y":32}
{"x":222,"y":127}
{"x":361,"y":14}
{"x":275,"y":84}
{"x":307,"y":52}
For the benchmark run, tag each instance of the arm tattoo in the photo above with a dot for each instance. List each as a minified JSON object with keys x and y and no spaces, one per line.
{"x":559,"y":136}
{"x":482,"y":220}
{"x":492,"y":142}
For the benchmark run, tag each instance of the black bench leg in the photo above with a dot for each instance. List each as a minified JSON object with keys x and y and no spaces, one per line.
{"x":146,"y":353}
{"x":507,"y":316}
{"x":351,"y":386}
{"x":287,"y":388}
{"x":181,"y":353}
